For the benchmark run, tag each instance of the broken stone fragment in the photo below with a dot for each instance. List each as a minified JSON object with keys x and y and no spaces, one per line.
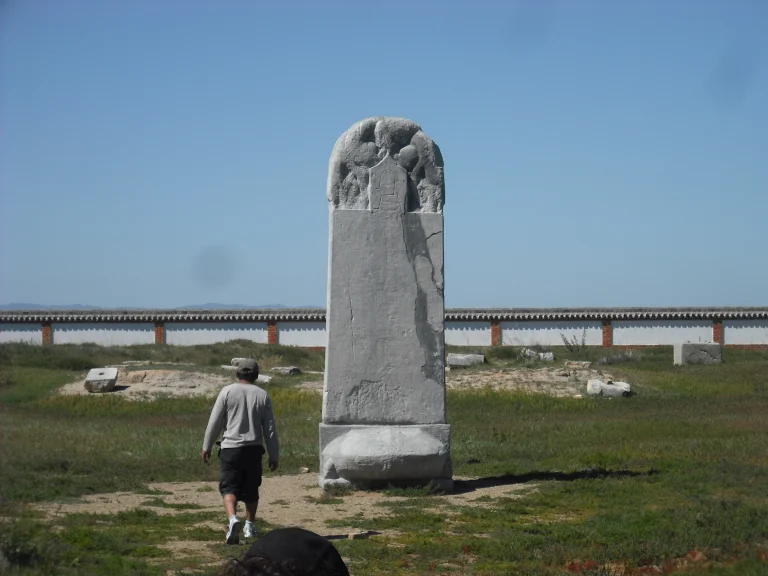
{"x":610,"y":389}
{"x":578,"y":364}
{"x":465,"y":359}
{"x":286,"y":370}
{"x":100,"y":380}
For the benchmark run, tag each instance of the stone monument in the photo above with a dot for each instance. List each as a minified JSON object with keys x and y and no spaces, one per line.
{"x":384,"y":389}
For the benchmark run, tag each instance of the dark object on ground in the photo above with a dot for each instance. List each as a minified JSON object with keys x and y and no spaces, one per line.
{"x":289,"y":552}
{"x":287,"y":370}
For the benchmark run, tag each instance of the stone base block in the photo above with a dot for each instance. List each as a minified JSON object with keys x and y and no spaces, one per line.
{"x":380,"y":455}
{"x":697,"y":353}
{"x":100,"y":380}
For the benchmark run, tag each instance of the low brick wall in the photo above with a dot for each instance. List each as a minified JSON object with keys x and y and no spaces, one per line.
{"x":606,"y":327}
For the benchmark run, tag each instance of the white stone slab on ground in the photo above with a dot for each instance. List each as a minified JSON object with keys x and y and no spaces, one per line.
{"x":611,"y":389}
{"x":101,"y":380}
{"x":465,"y":359}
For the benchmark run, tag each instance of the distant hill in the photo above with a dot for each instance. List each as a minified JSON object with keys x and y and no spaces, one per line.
{"x":26,"y":306}
{"x":207,"y":306}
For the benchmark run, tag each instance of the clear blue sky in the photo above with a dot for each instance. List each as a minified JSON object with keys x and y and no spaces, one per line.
{"x":161,"y":153}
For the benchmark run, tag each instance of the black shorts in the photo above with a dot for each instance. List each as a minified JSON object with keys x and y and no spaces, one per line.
{"x":241,"y":472}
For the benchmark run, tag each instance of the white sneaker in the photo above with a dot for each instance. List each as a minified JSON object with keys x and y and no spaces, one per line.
{"x":233,"y":536}
{"x":249,"y":531}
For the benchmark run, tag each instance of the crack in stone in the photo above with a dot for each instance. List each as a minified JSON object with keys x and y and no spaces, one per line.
{"x":352,"y":324}
{"x":416,"y":245}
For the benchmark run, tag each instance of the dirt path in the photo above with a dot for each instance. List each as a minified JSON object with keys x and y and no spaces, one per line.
{"x":290,"y":500}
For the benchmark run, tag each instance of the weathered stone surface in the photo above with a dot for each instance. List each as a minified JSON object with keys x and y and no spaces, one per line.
{"x":465,"y":359}
{"x":385,"y":352}
{"x":236,"y":361}
{"x":384,"y":387}
{"x":578,"y":364}
{"x":286,"y":370}
{"x":697,"y":353}
{"x":366,"y":144}
{"x":264,"y":378}
{"x":547,"y":356}
{"x":101,"y":380}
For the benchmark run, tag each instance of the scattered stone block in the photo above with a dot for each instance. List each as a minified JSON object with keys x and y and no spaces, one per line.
{"x":610,"y":389}
{"x":100,"y":380}
{"x":236,"y":361}
{"x":264,"y":378}
{"x":697,"y":353}
{"x":287,"y":370}
{"x":304,"y":470}
{"x":227,"y":367}
{"x":594,"y":387}
{"x":357,"y":535}
{"x":616,"y":389}
{"x":578,"y":364}
{"x":465,"y":359}
{"x":547,"y":356}
{"x":528,"y":353}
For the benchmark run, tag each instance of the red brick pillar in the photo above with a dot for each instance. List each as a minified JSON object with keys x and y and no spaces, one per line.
{"x":495,"y":333}
{"x":159,"y":332}
{"x":607,"y":334}
{"x":47,"y":334}
{"x":717,"y":331}
{"x":272,"y":332}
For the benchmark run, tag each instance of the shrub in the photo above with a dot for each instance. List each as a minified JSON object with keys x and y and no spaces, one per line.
{"x":574,"y":346}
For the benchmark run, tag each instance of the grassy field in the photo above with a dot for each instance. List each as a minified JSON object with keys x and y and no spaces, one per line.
{"x":674,"y":478}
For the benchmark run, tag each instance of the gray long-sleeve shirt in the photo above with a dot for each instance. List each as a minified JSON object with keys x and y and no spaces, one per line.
{"x":244,"y":413}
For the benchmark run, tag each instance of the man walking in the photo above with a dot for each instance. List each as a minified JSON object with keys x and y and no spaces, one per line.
{"x":244,"y":412}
